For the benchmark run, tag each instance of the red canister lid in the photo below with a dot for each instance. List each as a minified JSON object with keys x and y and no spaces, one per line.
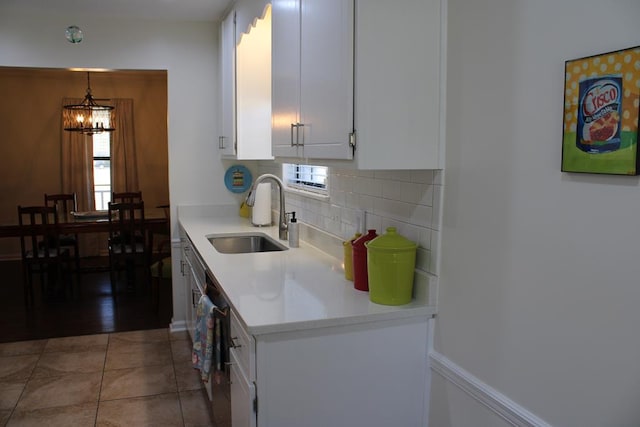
{"x":360,"y":241}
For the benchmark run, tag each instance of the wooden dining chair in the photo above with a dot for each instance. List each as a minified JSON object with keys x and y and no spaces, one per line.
{"x":160,"y":271}
{"x":126,"y":197}
{"x":161,"y":265}
{"x":41,"y":251}
{"x":128,"y":246}
{"x":66,"y":204}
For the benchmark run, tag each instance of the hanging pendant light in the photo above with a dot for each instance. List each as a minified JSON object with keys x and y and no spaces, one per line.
{"x":88,"y":117}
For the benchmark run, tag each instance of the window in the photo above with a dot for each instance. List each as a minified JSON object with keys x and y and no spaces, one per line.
{"x":306,"y":178}
{"x":102,"y":168}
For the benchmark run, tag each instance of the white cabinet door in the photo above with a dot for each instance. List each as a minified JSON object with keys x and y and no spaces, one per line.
{"x":285,"y":74}
{"x":243,"y":394}
{"x":193,"y":273}
{"x":195,"y":296}
{"x":372,"y":374}
{"x":399,"y":58}
{"x":227,"y":138}
{"x":245,"y":86}
{"x":188,"y":293}
{"x":326,"y":78}
{"x":253,"y":91}
{"x":312,"y":71}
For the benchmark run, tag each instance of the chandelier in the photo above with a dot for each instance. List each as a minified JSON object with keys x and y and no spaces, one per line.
{"x":88,"y":117}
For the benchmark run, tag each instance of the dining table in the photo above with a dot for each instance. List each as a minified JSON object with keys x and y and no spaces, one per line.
{"x":155,"y":221}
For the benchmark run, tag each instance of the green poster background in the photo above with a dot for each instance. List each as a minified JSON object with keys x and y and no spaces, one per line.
{"x":620,"y":162}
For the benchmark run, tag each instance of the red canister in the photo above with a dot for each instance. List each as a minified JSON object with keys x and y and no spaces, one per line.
{"x":360,"y":277}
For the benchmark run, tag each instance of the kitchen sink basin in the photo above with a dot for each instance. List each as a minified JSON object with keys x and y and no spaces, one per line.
{"x":245,"y":243}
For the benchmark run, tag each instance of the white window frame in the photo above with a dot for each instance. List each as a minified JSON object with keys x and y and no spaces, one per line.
{"x":104,"y":138}
{"x":293,"y":183}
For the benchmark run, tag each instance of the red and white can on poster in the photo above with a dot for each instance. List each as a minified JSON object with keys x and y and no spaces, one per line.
{"x":599,"y":115}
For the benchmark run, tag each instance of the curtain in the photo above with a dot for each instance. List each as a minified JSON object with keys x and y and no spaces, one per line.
{"x":77,"y":164}
{"x":124,"y":162}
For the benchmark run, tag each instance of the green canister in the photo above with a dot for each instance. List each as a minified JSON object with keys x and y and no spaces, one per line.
{"x":391,"y":261}
{"x":348,"y":257}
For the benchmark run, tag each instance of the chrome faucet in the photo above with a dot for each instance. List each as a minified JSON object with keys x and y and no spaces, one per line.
{"x":283,"y":228}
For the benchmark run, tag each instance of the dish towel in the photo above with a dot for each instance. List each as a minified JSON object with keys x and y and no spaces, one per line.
{"x":206,"y":342}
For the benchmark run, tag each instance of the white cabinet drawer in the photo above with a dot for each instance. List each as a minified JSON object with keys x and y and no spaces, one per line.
{"x":243,"y":346}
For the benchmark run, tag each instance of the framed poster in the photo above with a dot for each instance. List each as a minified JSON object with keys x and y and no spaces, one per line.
{"x":601,"y":104}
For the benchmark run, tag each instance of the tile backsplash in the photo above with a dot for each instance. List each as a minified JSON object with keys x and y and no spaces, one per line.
{"x":409,"y":200}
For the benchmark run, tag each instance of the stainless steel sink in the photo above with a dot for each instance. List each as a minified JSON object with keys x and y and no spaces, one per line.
{"x":245,"y":243}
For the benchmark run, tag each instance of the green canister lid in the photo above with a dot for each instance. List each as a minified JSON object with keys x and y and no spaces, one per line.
{"x":391,"y":241}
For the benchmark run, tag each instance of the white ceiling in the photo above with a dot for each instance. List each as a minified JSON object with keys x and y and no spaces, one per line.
{"x":181,"y":10}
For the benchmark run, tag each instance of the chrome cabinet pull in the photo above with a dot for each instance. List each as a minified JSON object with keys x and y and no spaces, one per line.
{"x":221,"y":142}
{"x":294,"y":125}
{"x":299,"y":125}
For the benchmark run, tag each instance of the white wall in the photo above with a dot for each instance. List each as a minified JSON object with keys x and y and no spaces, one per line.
{"x":540,"y":274}
{"x":187,"y":50}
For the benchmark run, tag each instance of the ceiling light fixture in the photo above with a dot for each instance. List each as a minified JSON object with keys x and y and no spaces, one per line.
{"x":88,"y":117}
{"x":73,"y":33}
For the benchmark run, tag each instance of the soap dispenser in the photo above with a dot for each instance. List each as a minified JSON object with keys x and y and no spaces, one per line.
{"x":294,"y":235}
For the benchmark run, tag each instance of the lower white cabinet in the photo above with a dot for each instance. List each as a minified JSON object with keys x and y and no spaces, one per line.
{"x":185,"y":271}
{"x":243,"y":396}
{"x":193,"y":272}
{"x":369,"y":374}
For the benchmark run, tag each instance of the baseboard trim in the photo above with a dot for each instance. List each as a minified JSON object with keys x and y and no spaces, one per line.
{"x":497,"y":402}
{"x":177,"y":326}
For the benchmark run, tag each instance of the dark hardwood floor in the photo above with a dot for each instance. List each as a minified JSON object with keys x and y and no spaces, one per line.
{"x":91,"y":312}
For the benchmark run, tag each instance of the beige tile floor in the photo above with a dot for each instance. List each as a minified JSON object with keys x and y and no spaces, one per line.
{"x":139,"y":378}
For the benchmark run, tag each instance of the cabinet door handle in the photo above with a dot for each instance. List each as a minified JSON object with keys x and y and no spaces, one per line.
{"x":221,"y":142}
{"x":298,"y":126}
{"x":294,"y":125}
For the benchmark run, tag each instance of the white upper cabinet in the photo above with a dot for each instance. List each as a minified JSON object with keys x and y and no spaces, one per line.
{"x":246,"y":83}
{"x":227,"y":137}
{"x":253,"y":90}
{"x":285,"y":74}
{"x":399,"y":115}
{"x":370,"y":67}
{"x":312,"y":72}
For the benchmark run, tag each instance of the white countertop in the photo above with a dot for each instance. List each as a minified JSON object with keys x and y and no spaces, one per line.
{"x":300,"y":288}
